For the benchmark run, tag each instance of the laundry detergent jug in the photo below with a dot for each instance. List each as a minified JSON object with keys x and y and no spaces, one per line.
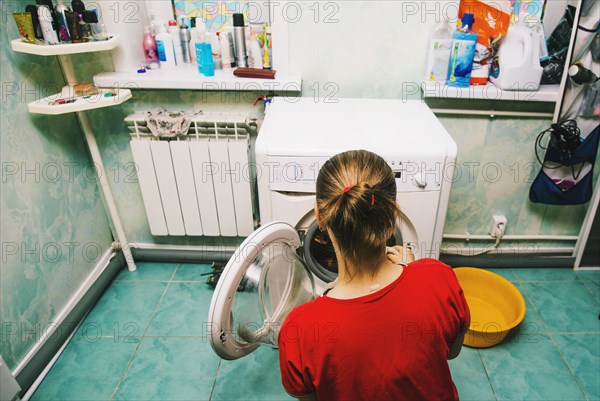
{"x":519,"y":59}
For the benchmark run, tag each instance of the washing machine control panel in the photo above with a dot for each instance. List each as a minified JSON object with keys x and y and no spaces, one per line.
{"x":299,"y":174}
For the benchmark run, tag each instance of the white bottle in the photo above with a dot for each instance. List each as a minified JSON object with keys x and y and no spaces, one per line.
{"x":192,"y":44}
{"x":213,"y":39}
{"x":45,"y":18}
{"x":174,"y":31}
{"x":519,"y":58}
{"x":226,"y":55}
{"x":438,"y":53}
{"x":254,"y":53}
{"x":164,"y":46}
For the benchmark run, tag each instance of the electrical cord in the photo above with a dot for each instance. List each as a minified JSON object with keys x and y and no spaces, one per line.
{"x":565,"y":138}
{"x":466,"y":253}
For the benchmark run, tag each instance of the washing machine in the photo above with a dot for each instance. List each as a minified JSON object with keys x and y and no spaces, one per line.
{"x":288,"y":260}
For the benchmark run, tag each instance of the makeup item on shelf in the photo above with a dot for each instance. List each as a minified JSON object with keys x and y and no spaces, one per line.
{"x":184,"y":37}
{"x":462,"y":54}
{"x":581,"y":75}
{"x":225,"y":52}
{"x":213,"y":39}
{"x":25,"y":26}
{"x":37,"y":29}
{"x":78,"y":6}
{"x":164,"y":47}
{"x":150,"y":51}
{"x":174,"y":31}
{"x":74,"y":28}
{"x":84,"y":27}
{"x":97,"y":27}
{"x":45,"y":18}
{"x":240,"y":40}
{"x":63,"y":28}
{"x":85,"y":89}
{"x":254,"y":73}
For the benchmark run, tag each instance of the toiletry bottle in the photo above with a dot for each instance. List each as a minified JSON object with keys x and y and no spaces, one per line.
{"x":63,"y":28}
{"x":77,"y":6}
{"x":184,"y":37}
{"x":254,"y":54}
{"x":84,"y":27}
{"x":229,"y":32}
{"x":438,"y":53}
{"x":198,"y":37}
{"x":32,"y":9}
{"x":462,"y":54}
{"x":164,"y":46}
{"x":97,"y":26}
{"x":225,"y":52}
{"x":206,"y":66}
{"x":174,"y":31}
{"x":53,"y":16}
{"x":150,"y":51}
{"x":240,"y":40}
{"x":74,"y":28}
{"x":192,"y":44}
{"x":45,"y":19}
{"x":213,"y":39}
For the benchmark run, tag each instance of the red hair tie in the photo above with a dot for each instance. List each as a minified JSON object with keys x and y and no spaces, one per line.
{"x":348,"y":188}
{"x":372,"y":200}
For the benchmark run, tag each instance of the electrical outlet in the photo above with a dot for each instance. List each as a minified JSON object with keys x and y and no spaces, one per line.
{"x":498,"y":227}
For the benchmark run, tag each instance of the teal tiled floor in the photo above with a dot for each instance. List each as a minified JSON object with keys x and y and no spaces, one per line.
{"x":146,"y":340}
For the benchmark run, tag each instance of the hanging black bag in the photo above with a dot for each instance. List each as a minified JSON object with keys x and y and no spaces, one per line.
{"x":566,"y":176}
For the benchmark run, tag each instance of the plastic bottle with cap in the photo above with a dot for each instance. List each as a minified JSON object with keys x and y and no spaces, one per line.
{"x":164,"y":46}
{"x":462,"y":53}
{"x":174,"y":31}
{"x":519,"y":58}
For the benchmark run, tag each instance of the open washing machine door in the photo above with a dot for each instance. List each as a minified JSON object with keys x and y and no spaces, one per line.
{"x":263,"y":281}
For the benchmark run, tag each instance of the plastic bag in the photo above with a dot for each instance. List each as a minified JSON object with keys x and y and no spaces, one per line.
{"x":491,"y":24}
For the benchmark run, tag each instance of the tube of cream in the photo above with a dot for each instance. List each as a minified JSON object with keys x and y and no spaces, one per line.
{"x":48,"y":31}
{"x":25,"y":25}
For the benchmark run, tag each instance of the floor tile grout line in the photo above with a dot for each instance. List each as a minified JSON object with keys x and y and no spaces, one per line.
{"x":212,"y":389}
{"x":487,"y":375}
{"x":528,"y":299}
{"x":139,"y":343}
{"x":591,"y":291}
{"x":568,"y":367}
{"x":174,"y":272}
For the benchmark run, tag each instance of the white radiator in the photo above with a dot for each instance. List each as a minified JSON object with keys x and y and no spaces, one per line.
{"x":199,"y":184}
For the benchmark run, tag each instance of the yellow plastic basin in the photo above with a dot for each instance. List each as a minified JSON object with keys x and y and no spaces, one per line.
{"x":496,"y":306}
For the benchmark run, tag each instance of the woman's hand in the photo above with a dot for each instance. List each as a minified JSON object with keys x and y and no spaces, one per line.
{"x":398,"y":256}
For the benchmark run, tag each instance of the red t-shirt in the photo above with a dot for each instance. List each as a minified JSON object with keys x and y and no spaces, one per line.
{"x":391,"y":344}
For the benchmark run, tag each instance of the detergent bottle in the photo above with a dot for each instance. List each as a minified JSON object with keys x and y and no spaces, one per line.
{"x":438,"y":53}
{"x":462,"y":53}
{"x":519,"y":59}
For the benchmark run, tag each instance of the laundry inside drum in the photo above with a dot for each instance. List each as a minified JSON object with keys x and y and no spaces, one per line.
{"x":320,"y":255}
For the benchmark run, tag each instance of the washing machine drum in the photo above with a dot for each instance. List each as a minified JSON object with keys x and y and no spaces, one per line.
{"x":265,"y":279}
{"x":319,"y":254}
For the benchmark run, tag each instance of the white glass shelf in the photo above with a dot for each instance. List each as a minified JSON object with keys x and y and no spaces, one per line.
{"x":188,"y":77}
{"x":546,"y":93}
{"x":80,"y":103}
{"x":68,"y":48}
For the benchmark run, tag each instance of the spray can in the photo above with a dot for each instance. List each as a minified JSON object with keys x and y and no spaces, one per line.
{"x":184,"y":37}
{"x":240,"y":40}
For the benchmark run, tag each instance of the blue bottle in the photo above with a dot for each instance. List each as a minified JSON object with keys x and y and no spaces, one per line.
{"x":206,"y":65}
{"x":462,"y":53}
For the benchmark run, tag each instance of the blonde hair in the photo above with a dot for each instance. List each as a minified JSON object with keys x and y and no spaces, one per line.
{"x":356,"y":200}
